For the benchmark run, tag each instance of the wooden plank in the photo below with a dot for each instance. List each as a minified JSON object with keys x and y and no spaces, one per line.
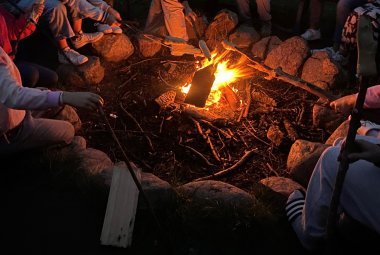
{"x":122,"y":202}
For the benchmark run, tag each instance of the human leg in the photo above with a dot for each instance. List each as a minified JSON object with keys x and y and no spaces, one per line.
{"x":315,"y":13}
{"x":343,"y":10}
{"x":174,"y":18}
{"x":155,"y":16}
{"x":34,"y":75}
{"x":359,"y":186}
{"x":244,"y":10}
{"x":38,"y":133}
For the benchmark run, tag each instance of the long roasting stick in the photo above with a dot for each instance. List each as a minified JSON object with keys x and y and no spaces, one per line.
{"x":365,"y":69}
{"x":281,"y":75}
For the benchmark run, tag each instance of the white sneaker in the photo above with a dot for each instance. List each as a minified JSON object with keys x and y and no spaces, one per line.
{"x":82,"y":39}
{"x":105,"y":28}
{"x":311,"y":34}
{"x":70,"y":56}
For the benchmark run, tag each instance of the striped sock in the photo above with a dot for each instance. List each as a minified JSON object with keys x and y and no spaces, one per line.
{"x":294,"y":205}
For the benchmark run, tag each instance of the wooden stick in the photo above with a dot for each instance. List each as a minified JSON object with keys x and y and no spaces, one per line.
{"x":246,"y":156}
{"x":272,"y":170}
{"x":200,"y":155}
{"x":224,"y":133}
{"x":249,"y":99}
{"x":292,"y":133}
{"x":207,"y":139}
{"x":138,"y":126}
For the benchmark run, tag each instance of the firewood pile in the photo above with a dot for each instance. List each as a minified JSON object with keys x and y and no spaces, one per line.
{"x":244,"y":137}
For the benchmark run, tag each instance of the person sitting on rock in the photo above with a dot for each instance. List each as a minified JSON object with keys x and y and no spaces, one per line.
{"x":108,"y":18}
{"x":348,"y":13}
{"x":13,"y":29}
{"x":263,"y":10}
{"x":20,"y":131}
{"x":55,"y":14}
{"x":307,"y":212}
{"x":172,"y":13}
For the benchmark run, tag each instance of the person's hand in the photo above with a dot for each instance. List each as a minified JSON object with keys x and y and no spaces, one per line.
{"x":344,"y":104}
{"x":190,"y":15}
{"x":366,"y":151}
{"x":37,"y":9}
{"x":84,"y":100}
{"x":115,"y":13}
{"x":112,"y":21}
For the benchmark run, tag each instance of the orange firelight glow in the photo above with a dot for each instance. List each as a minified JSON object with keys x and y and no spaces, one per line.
{"x":227,"y":72}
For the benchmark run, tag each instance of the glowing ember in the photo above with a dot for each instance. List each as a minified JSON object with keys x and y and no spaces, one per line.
{"x":225,"y":74}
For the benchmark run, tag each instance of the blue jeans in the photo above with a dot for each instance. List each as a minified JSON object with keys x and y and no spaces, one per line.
{"x":343,"y":10}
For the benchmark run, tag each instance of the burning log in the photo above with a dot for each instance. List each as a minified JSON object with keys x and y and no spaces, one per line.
{"x":200,"y":113}
{"x":249,"y":99}
{"x":224,"y":172}
{"x":281,"y":75}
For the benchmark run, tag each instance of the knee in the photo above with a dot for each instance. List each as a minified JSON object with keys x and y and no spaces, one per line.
{"x":29,"y":76}
{"x":342,"y":5}
{"x":57,"y":9}
{"x":53,"y":79}
{"x":68,"y":132}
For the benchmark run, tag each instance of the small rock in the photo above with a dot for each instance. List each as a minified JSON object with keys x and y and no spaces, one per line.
{"x":284,"y":186}
{"x":289,"y":55}
{"x":219,"y":29}
{"x":159,"y":192}
{"x":264,"y":46}
{"x":303,"y":156}
{"x":341,"y":131}
{"x":275,"y":135}
{"x":147,"y":47}
{"x":114,"y":48}
{"x":244,"y":36}
{"x":90,"y":73}
{"x":69,"y":114}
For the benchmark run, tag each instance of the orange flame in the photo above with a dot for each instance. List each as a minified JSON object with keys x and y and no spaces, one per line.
{"x":226,"y":73}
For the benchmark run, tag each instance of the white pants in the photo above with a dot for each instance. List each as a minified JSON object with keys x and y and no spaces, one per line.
{"x":170,"y":12}
{"x":359,"y":197}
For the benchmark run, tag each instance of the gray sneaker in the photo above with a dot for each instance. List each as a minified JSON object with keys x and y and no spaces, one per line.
{"x":70,"y":56}
{"x":81,"y":39}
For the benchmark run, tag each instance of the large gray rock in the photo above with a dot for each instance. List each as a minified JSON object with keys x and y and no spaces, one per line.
{"x":148,"y":47}
{"x":90,"y":73}
{"x":289,"y":55}
{"x":303,"y":156}
{"x":160,"y":193}
{"x":244,"y":36}
{"x":326,"y":118}
{"x":341,"y":131}
{"x":114,"y":47}
{"x":215,"y":193}
{"x":264,"y":46}
{"x":95,"y":161}
{"x":320,"y":70}
{"x":284,"y":186}
{"x":219,"y":29}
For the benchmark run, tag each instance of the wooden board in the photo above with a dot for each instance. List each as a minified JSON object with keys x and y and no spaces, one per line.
{"x":121,"y":207}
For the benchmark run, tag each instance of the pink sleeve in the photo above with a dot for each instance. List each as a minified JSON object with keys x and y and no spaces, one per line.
{"x":372,"y":99}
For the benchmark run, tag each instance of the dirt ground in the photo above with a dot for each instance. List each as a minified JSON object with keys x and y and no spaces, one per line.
{"x":62,"y":212}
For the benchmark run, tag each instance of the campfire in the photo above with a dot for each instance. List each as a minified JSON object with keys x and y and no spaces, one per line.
{"x":226,"y":72}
